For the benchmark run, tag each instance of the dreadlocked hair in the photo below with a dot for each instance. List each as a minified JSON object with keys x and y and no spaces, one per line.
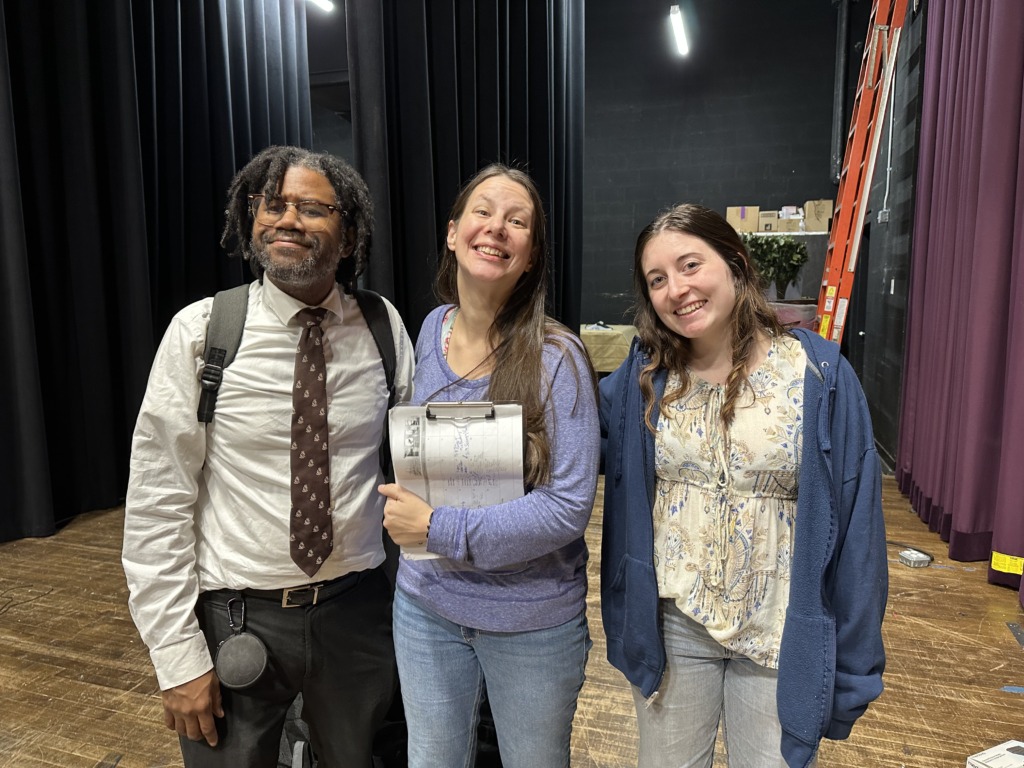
{"x":263,"y":175}
{"x":751,"y":314}
{"x":520,"y":329}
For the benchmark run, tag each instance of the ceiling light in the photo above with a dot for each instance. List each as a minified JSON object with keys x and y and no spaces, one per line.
{"x":676,"y":17}
{"x":327,"y":5}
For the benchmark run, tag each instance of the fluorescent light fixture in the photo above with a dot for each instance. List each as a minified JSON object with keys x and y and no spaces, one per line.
{"x":327,"y":5}
{"x":676,"y":17}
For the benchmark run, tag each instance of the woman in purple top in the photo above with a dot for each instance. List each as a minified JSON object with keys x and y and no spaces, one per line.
{"x":503,"y":608}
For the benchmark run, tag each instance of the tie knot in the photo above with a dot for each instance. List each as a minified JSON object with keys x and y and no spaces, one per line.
{"x":311,"y":316}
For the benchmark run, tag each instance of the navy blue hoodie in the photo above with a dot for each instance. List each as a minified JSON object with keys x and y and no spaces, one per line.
{"x":831,"y":658}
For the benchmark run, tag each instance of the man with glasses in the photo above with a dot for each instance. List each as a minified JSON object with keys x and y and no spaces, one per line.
{"x":211,"y":552}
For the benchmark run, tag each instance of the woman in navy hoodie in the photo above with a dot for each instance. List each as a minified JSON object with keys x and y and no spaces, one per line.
{"x":743,"y":567}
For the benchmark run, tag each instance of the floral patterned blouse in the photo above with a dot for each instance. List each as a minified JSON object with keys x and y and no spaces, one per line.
{"x":725,"y":503}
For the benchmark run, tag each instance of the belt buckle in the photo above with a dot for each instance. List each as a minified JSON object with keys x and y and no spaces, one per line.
{"x":287,"y":593}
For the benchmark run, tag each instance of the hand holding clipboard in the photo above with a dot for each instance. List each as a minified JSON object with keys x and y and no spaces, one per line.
{"x":461,"y":454}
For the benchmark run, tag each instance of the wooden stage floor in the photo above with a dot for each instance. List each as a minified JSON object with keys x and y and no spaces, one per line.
{"x":77,"y":689}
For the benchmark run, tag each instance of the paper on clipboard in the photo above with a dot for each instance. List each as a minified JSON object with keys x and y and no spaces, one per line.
{"x":467,"y":454}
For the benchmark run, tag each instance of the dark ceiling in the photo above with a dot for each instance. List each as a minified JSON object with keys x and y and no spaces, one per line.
{"x":328,"y":59}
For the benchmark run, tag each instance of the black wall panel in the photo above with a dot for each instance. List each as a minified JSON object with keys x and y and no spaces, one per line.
{"x":745,"y":119}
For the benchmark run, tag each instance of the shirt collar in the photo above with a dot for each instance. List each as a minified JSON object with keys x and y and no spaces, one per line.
{"x":285,"y":307}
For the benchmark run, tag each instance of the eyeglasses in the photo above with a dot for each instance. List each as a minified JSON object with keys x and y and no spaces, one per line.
{"x":314,"y":215}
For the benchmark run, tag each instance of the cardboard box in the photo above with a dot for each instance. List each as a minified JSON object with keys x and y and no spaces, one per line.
{"x":743,"y":218}
{"x":607,"y":346}
{"x":789,"y":225}
{"x":817,"y":215}
{"x":1009,"y":754}
{"x":768,"y":221}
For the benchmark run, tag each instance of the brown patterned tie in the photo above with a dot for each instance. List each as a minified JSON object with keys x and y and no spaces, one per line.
{"x":311,"y":536}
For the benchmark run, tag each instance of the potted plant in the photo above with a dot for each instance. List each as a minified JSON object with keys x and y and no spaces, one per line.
{"x":779,"y":259}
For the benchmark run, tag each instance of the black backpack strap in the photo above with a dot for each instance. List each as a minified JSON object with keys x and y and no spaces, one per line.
{"x":379,"y":321}
{"x":377,"y":317}
{"x":223,"y":335}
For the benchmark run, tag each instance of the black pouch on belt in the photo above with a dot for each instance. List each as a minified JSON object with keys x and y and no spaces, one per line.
{"x":241,"y":658}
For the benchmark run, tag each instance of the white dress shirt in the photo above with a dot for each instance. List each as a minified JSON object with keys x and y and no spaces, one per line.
{"x":208,"y":506}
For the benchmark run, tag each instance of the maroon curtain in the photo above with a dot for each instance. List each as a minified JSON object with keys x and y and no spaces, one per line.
{"x":962,"y":414}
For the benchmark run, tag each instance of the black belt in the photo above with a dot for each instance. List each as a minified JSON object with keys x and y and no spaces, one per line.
{"x":306,"y":594}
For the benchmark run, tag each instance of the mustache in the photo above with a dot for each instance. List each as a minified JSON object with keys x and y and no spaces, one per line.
{"x":287,"y":237}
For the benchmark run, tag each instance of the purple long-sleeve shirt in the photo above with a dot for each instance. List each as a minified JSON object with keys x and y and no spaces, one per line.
{"x":519,"y":565}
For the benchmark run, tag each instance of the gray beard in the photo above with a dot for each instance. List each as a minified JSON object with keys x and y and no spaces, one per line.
{"x":310,"y":271}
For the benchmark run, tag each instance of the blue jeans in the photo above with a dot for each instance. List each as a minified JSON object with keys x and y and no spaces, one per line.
{"x":532,"y":679}
{"x":703,"y":682}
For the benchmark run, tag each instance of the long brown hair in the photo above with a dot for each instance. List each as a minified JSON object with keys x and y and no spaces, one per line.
{"x":521,"y":326}
{"x":751,"y":313}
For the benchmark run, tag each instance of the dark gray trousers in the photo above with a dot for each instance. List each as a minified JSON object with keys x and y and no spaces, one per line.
{"x":338,"y":654}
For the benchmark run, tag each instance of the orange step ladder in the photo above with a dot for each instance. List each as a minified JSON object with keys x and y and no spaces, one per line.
{"x":876,"y":73}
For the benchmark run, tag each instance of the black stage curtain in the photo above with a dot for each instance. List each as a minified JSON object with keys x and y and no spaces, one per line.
{"x":121,"y":124}
{"x":441,"y":89}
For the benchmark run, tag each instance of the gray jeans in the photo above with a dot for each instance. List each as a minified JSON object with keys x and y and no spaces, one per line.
{"x":705,"y":683}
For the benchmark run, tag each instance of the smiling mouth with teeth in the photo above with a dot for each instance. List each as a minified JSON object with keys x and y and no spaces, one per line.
{"x":689,"y":309}
{"x":487,"y":250}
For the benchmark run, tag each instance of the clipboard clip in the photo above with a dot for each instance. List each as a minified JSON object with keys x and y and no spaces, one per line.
{"x":460,"y":411}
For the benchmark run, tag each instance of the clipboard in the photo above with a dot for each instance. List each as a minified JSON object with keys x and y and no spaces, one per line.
{"x":461,"y":454}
